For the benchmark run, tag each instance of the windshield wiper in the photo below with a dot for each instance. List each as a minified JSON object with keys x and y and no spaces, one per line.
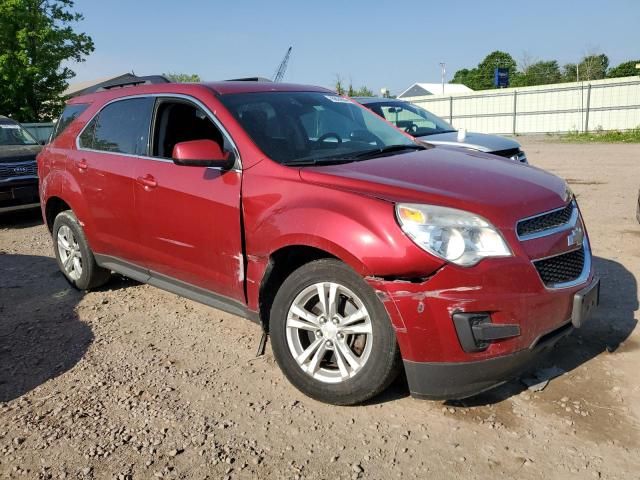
{"x":318,"y":161}
{"x":353,"y":158}
{"x":388,"y":149}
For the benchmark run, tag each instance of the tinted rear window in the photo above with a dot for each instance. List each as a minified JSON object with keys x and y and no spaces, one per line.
{"x":69,"y":114}
{"x":121,"y":127}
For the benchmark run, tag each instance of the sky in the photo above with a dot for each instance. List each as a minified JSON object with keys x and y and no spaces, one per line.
{"x":375,"y":44}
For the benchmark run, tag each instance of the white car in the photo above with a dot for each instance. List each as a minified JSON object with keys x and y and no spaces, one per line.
{"x":427,"y":127}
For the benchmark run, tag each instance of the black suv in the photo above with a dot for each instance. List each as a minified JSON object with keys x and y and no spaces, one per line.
{"x":18,"y":169}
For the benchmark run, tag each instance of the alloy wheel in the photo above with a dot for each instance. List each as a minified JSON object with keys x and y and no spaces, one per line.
{"x":329,"y":332}
{"x":69,"y":252}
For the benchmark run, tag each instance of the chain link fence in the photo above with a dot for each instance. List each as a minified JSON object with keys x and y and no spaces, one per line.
{"x":611,"y":104}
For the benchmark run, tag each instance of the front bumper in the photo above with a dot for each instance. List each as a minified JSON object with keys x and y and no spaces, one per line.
{"x":19,"y":195}
{"x":509,"y":290}
{"x":441,"y":380}
{"x":448,"y":381}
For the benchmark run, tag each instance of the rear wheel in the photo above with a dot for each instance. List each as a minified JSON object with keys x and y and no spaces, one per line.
{"x":74,"y":257}
{"x":331,"y":335}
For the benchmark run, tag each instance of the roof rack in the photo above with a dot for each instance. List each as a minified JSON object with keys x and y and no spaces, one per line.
{"x":126,"y":80}
{"x":249,"y":79}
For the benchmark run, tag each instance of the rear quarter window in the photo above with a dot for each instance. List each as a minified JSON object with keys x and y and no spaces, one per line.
{"x":69,"y":114}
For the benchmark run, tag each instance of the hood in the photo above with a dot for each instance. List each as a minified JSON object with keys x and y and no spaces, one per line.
{"x":475,"y":141}
{"x":18,"y":153}
{"x":498,"y":189}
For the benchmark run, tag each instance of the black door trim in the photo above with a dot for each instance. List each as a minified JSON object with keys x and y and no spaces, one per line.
{"x":176,"y":286}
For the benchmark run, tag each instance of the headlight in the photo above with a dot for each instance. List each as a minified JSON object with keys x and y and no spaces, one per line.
{"x":453,"y":235}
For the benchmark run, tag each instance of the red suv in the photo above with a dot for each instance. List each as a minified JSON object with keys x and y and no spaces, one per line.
{"x":361,"y":252}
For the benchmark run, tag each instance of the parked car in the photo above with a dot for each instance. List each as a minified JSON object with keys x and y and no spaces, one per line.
{"x":359,"y":250}
{"x":427,"y":127}
{"x":18,"y":169}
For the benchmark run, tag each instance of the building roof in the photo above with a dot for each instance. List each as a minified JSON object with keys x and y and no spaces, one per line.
{"x":422,"y":89}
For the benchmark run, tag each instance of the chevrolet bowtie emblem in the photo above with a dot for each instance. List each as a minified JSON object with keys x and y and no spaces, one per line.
{"x":576,"y":237}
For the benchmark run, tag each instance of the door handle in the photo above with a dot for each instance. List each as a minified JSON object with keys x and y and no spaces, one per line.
{"x":82,"y":165}
{"x":147,"y":181}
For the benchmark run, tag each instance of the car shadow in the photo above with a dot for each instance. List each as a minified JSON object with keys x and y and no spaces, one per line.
{"x":41,"y":335}
{"x":21,"y":218}
{"x":611,"y":325}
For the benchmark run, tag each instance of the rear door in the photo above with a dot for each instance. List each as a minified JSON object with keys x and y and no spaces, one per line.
{"x":104,"y":166}
{"x":189,"y":217}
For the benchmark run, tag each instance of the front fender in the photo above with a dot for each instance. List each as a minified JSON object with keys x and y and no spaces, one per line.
{"x":362,"y":231}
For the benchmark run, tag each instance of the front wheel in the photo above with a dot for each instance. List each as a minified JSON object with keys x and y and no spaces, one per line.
{"x":332,"y":336}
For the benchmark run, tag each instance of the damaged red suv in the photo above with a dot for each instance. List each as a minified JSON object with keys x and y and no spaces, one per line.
{"x":362,"y":253}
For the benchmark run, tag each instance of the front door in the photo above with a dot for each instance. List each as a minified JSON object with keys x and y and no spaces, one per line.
{"x":189,"y":217}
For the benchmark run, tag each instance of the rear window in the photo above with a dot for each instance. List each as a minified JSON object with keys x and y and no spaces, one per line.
{"x":69,"y":114}
{"x":120,"y":127}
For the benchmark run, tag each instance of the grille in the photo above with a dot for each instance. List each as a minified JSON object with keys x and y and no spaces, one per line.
{"x":561,"y":268}
{"x":545,"y":221}
{"x":13,"y":170}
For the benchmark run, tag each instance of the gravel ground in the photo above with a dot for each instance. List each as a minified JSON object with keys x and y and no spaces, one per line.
{"x":133,"y":382}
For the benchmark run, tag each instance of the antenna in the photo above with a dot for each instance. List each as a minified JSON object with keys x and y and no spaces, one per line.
{"x":279,"y":75}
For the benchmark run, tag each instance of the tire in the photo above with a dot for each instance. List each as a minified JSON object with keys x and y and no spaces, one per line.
{"x":358,"y":323}
{"x":71,"y":248}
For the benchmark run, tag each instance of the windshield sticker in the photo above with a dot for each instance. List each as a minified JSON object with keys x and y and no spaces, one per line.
{"x":9,"y":126}
{"x":337,"y":99}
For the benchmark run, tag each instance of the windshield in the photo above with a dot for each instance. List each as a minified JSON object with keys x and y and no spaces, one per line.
{"x":13,"y":134}
{"x":414,"y":120}
{"x":298,"y":127}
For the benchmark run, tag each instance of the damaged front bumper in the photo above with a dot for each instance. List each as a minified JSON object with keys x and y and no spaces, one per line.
{"x":521,"y":319}
{"x":448,"y":381}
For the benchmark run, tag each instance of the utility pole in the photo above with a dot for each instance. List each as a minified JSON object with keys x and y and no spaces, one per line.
{"x":442,"y":68}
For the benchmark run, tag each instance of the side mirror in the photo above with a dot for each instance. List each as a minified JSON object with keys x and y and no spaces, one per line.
{"x":201,"y":153}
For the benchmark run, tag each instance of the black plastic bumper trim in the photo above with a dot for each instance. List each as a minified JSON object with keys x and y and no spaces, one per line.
{"x":452,"y":381}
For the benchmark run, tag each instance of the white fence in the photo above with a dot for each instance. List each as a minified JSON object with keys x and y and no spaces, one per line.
{"x":611,"y":104}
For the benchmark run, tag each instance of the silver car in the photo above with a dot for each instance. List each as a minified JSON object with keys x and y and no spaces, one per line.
{"x":426,"y":126}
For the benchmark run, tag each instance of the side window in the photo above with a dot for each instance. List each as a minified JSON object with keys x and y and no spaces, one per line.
{"x":182,"y":121}
{"x":121,"y":127}
{"x":69,"y":114}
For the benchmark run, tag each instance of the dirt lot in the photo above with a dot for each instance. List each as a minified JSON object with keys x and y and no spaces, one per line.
{"x":132,"y":382}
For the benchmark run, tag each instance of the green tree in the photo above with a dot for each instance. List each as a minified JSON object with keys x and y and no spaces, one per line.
{"x":625,"y":69}
{"x":481,"y":77}
{"x":538,"y":73}
{"x":569,"y":72}
{"x":339,"y":86}
{"x":183,"y":77}
{"x":464,"y":76}
{"x":36,"y":38}
{"x":361,"y":92}
{"x":593,"y":67}
{"x":350,"y":91}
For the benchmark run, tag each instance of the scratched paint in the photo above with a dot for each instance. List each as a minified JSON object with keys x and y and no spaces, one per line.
{"x":240,"y":270}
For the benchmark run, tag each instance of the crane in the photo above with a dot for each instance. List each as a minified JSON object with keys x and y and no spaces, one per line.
{"x":279,"y":75}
